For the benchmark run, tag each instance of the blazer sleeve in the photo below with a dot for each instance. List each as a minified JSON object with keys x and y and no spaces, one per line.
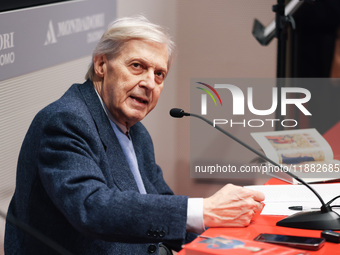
{"x":71,"y":162}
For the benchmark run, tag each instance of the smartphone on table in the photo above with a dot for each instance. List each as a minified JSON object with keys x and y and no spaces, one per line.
{"x":299,"y":242}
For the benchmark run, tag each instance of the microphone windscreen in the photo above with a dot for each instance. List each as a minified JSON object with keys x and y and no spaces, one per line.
{"x":176,"y":113}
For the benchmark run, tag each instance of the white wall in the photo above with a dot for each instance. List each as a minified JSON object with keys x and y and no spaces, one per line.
{"x":215,"y":41}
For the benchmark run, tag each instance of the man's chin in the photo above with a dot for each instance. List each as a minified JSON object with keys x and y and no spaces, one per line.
{"x":135,"y":117}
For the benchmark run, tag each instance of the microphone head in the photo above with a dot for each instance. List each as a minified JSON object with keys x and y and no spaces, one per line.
{"x":177,"y":113}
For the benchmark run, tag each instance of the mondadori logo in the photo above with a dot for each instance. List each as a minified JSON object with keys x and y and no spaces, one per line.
{"x":241,"y":100}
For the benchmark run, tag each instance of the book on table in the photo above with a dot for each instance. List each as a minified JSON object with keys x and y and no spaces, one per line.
{"x":303,"y":152}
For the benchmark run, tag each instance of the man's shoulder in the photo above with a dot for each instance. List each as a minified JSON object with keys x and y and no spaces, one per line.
{"x":71,"y":100}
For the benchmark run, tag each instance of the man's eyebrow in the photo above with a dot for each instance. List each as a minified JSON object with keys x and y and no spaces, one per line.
{"x":149,"y":63}
{"x":163,"y":69}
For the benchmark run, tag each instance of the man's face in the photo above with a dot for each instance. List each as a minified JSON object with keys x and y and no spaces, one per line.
{"x":133,"y":80}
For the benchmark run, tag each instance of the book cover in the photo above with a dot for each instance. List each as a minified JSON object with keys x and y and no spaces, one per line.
{"x":303,"y":152}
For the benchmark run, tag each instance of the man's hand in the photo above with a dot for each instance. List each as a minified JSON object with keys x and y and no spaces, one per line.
{"x":231,"y":206}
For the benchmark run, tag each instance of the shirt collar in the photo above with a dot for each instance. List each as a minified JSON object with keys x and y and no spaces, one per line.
{"x":122,"y":128}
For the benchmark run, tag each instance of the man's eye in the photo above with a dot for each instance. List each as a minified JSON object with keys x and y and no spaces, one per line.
{"x":160,"y":74}
{"x":136,"y":65}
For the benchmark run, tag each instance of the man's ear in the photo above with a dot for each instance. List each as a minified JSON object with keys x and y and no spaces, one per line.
{"x":100,"y":65}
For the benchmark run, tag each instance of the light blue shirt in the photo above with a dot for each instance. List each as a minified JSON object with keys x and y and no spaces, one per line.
{"x":127,"y":146}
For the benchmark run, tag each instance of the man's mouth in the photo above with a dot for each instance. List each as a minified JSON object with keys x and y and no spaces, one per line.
{"x":140,"y":99}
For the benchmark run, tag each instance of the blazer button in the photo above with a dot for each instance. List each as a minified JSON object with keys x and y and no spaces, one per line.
{"x":149,"y":233}
{"x":152,"y":248}
{"x":162,"y":233}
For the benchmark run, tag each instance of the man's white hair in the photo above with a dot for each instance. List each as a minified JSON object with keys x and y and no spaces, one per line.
{"x":125,"y":29}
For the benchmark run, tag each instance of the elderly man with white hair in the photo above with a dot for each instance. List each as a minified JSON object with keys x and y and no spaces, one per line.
{"x":87,"y":177}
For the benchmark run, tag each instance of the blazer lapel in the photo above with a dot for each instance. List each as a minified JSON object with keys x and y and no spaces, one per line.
{"x":118,"y":167}
{"x":143,"y":165}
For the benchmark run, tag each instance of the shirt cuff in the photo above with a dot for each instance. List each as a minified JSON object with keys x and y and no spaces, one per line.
{"x":195,"y":221}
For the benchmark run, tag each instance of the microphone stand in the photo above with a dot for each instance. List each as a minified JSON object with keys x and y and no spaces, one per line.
{"x":283,"y":17}
{"x":325,"y":219}
{"x":281,"y":22}
{"x":280,"y":33}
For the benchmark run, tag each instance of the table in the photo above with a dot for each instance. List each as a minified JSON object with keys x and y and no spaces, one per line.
{"x":267,"y":224}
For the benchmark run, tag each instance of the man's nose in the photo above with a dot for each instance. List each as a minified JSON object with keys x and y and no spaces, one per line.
{"x":148,"y":80}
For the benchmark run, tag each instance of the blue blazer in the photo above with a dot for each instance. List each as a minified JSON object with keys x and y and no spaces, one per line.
{"x":74,"y":185}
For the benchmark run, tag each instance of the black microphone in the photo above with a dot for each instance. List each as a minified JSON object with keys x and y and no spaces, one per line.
{"x":178,"y":113}
{"x":325,"y":219}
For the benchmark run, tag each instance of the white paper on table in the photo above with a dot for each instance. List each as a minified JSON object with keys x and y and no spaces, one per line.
{"x":279,"y":197}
